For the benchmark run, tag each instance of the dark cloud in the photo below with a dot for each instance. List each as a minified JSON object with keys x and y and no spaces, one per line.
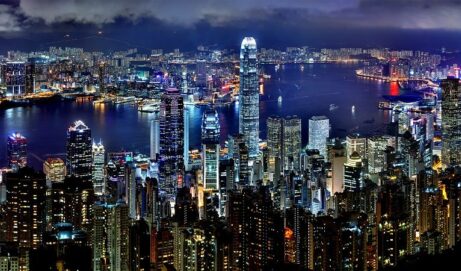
{"x":9,"y":20}
{"x":172,"y":11}
{"x":403,"y":14}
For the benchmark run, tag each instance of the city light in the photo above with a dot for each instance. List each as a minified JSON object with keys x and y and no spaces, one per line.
{"x":146,"y":136}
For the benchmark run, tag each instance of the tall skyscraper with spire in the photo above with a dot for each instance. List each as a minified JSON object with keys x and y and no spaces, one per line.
{"x":249,"y":96}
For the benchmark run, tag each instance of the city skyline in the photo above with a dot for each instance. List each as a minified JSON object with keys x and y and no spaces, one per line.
{"x":238,"y":135}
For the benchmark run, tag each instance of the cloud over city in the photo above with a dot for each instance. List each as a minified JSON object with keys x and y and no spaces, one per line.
{"x":404,"y":14}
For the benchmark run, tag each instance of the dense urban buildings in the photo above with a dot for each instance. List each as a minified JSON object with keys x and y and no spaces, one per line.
{"x":269,"y":189}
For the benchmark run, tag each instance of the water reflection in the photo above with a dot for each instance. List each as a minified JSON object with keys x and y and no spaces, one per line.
{"x":120,"y":127}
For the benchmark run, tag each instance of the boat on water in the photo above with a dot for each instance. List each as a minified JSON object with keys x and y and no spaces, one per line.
{"x":279,"y":99}
{"x":123,"y":100}
{"x":149,"y":108}
{"x":384,"y":105}
{"x":333,"y":107}
{"x":101,"y":101}
{"x":301,"y":67}
{"x":353,"y":109}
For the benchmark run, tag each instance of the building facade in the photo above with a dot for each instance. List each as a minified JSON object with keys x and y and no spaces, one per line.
{"x":249,"y":96}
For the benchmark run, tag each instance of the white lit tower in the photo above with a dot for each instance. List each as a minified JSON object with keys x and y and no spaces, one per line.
{"x":210,"y":149}
{"x":99,"y":155}
{"x":249,"y":96}
{"x":154,"y":136}
{"x":319,"y":131}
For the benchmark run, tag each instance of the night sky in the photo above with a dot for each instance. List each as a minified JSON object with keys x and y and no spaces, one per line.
{"x":184,"y":24}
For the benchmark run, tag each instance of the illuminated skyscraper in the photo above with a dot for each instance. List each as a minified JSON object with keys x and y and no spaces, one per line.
{"x":376,"y":147}
{"x":284,"y":142}
{"x":30,"y":77}
{"x":274,"y":143}
{"x":25,"y":209}
{"x":353,"y":241}
{"x":291,"y":143}
{"x":195,"y":248}
{"x":186,"y":139}
{"x":118,"y":233}
{"x":99,"y":237}
{"x":274,"y":135}
{"x":15,"y":78}
{"x":154,"y":136}
{"x":71,"y":201}
{"x":249,"y":96}
{"x":395,"y":231}
{"x":16,"y":151}
{"x":184,"y":83}
{"x":99,"y":160}
{"x":111,"y":237}
{"x":79,"y":150}
{"x":210,"y":149}
{"x":171,"y":140}
{"x":54,"y":169}
{"x":355,"y":143}
{"x":451,"y":121}
{"x":337,"y":159}
{"x":319,"y":131}
{"x":101,"y":79}
{"x":353,"y":173}
{"x":251,"y":213}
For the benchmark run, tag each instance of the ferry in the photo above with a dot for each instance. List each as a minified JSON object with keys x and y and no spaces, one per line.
{"x":123,"y":100}
{"x":149,"y":108}
{"x":384,"y":105}
{"x":101,"y":101}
